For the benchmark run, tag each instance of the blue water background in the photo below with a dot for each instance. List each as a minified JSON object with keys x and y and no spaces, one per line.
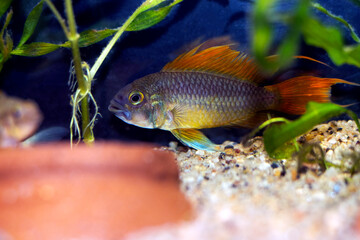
{"x":45,"y":79}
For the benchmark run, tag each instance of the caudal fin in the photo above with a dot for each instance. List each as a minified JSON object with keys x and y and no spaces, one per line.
{"x":296,"y":92}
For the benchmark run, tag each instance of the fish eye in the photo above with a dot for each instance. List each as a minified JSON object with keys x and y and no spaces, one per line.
{"x":136,"y":97}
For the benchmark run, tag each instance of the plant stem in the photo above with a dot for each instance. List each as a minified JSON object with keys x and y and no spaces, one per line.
{"x":74,"y":38}
{"x":88,"y":135}
{"x":84,"y":86}
{"x":112,"y":42}
{"x":5,"y":41}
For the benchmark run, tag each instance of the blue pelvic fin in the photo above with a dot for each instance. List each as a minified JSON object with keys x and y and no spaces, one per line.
{"x":195,"y":139}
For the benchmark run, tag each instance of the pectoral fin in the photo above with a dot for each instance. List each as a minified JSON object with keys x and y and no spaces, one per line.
{"x":195,"y":139}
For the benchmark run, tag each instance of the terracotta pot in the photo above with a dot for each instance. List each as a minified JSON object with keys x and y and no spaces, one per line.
{"x":99,"y":192}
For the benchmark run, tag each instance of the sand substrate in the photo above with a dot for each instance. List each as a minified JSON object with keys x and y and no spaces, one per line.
{"x":246,"y":195}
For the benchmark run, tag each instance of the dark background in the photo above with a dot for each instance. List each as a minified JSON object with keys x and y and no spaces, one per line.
{"x":45,"y":79}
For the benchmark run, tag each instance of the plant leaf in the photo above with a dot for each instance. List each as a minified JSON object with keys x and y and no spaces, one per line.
{"x":338,"y":18}
{"x":289,"y":47}
{"x":278,"y":135}
{"x":311,"y":153}
{"x":330,"y":39}
{"x":264,"y":17}
{"x":6,"y":42}
{"x":89,"y":37}
{"x":31,"y":22}
{"x":4,"y":5}
{"x":353,"y":54}
{"x":6,"y":23}
{"x":284,"y":151}
{"x":9,"y":45}
{"x":35,"y":49}
{"x":149,"y":18}
{"x":149,"y":4}
{"x":263,"y":31}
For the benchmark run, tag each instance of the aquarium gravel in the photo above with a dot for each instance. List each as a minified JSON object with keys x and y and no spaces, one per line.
{"x":243,"y":194}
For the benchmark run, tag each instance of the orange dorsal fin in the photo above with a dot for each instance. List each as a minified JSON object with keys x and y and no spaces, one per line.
{"x":219,"y":60}
{"x":311,"y":59}
{"x":275,"y":57}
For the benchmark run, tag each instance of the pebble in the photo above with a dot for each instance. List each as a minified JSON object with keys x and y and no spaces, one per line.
{"x":277,"y":172}
{"x":264,"y":166}
{"x":200,"y":152}
{"x":331,"y":172}
{"x":254,"y":194}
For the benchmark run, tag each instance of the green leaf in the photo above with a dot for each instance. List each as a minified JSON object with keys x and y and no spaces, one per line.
{"x":264,"y":17}
{"x":311,"y":153}
{"x":263,"y":30}
{"x":31,"y":22}
{"x":6,"y":42}
{"x":4,"y":5}
{"x":284,"y":151}
{"x":89,"y":37}
{"x":149,"y":18}
{"x":278,"y":135}
{"x":150,"y":4}
{"x":330,"y":39}
{"x":35,"y":49}
{"x":9,"y":44}
{"x":290,"y":44}
{"x":6,"y":24}
{"x":339,"y":19}
{"x":353,"y":54}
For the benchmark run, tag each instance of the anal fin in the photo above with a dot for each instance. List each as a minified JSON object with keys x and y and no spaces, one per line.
{"x":195,"y":139}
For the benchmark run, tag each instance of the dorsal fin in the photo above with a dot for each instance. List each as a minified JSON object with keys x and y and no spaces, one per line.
{"x":219,"y":60}
{"x":275,"y":57}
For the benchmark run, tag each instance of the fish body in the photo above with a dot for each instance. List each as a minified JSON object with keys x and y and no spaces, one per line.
{"x":19,"y":119}
{"x":198,"y":100}
{"x":214,"y":87}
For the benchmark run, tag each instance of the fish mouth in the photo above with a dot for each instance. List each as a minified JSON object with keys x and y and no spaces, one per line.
{"x":119,"y":110}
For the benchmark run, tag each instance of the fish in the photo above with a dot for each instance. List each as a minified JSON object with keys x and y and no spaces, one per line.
{"x":19,"y":119}
{"x":213,"y":87}
{"x":50,"y":134}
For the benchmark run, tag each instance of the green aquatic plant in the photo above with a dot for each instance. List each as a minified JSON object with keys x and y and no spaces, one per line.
{"x":355,"y":168}
{"x":339,"y":19}
{"x":280,"y":139}
{"x":280,"y":134}
{"x":264,"y":18}
{"x":299,"y":22}
{"x":149,"y":13}
{"x":6,"y":43}
{"x":4,"y":5}
{"x":283,"y":151}
{"x":276,"y":136}
{"x":312,"y":154}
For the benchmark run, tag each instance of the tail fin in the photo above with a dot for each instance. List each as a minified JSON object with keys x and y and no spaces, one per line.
{"x":296,"y":92}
